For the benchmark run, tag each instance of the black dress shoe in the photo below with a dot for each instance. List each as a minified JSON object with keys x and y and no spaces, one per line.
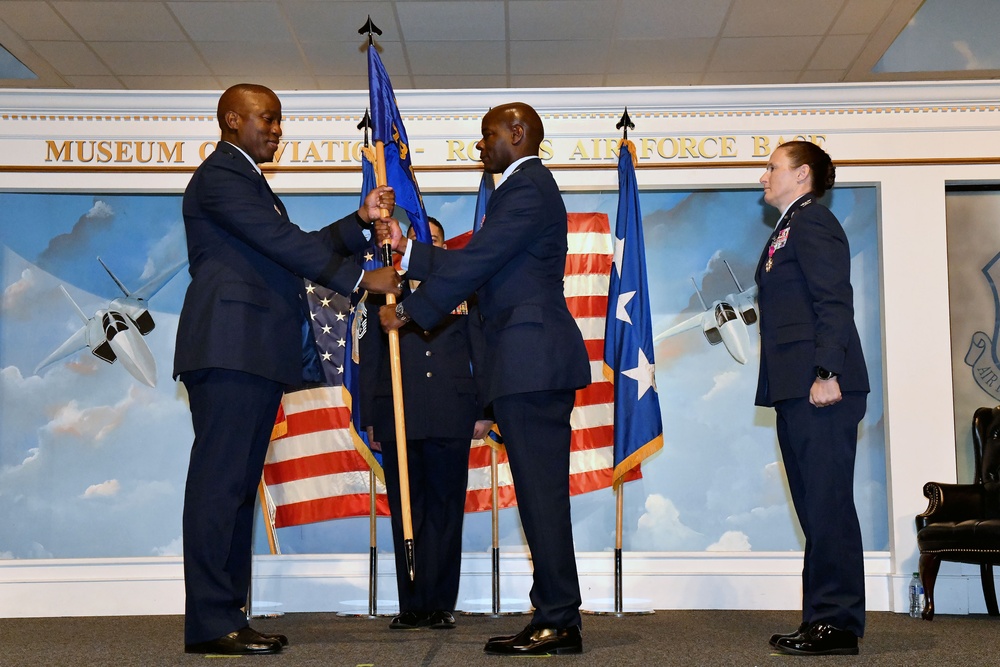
{"x":441,"y":620}
{"x":538,"y":641}
{"x":246,"y":641}
{"x":409,"y":620}
{"x":281,"y":639}
{"x":820,"y":639}
{"x":802,"y":628}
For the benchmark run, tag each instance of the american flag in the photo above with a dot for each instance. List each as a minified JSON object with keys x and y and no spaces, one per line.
{"x":318,"y":470}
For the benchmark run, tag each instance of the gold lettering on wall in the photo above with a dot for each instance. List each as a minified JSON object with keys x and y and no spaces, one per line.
{"x":681,"y":149}
{"x":118,"y":152}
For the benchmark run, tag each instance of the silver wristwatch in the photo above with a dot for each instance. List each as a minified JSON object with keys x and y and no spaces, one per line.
{"x":401,"y":313}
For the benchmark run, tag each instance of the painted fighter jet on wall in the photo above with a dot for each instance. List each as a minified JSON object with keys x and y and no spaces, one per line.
{"x":725,"y":321}
{"x":115,"y":333}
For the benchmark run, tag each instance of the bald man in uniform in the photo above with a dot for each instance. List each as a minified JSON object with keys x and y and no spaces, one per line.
{"x":536,"y":355}
{"x":242,"y":339}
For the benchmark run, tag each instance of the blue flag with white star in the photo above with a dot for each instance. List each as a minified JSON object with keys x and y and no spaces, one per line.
{"x":387,"y":127}
{"x":628,"y":336}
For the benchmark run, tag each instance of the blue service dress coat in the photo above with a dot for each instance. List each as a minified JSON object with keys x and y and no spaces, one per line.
{"x":244,"y":307}
{"x":239,"y":343}
{"x":441,"y":408}
{"x":536,"y":359}
{"x":807,"y":320}
{"x":806,"y":306}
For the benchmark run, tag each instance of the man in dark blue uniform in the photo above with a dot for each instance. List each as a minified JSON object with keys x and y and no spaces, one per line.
{"x":443,"y":415}
{"x":812,"y":371}
{"x":239,"y":344}
{"x":536,"y":355}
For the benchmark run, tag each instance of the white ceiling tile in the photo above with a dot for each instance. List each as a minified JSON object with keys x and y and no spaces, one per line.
{"x":452,"y":43}
{"x":822,"y":76}
{"x":436,"y":82}
{"x":861,"y":16}
{"x":568,"y":57}
{"x":556,"y":81}
{"x":748,"y":78}
{"x":451,"y":20}
{"x":762,"y":18}
{"x":151,"y":58}
{"x":561,"y":19}
{"x":838,"y":52}
{"x":347,"y":59}
{"x":345,"y":83}
{"x":71,"y":58}
{"x":765,"y":54}
{"x":664,"y":55}
{"x":322,"y":20}
{"x":35,"y":20}
{"x":654,"y":79}
{"x":238,"y":58}
{"x":241,"y":20}
{"x":96,"y":82}
{"x":120,"y":21}
{"x":172,"y":82}
{"x":676,"y":19}
{"x":440,"y":58}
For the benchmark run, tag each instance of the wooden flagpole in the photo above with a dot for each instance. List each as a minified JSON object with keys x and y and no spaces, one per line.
{"x":397,"y":392}
{"x":272,"y":539}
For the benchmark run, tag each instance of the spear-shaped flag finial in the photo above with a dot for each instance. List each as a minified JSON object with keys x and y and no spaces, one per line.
{"x":625,"y":124}
{"x":368,"y":28}
{"x":365,"y":124}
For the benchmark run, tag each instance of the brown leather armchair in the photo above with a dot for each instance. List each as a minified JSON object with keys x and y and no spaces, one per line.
{"x":962,"y":521}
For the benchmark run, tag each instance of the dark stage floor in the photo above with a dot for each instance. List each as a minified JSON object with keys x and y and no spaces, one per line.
{"x":664,"y":638}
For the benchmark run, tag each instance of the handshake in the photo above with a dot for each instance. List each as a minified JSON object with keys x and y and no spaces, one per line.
{"x":377,"y":210}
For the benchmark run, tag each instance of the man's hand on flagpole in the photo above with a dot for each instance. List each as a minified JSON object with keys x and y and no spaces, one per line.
{"x":388,"y":228}
{"x":382,"y":281}
{"x":390,"y":321}
{"x":382,"y":198}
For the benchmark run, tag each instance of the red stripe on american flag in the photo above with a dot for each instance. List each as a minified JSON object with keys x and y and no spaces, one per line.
{"x":589,"y":222}
{"x":588,"y":306}
{"x":480,"y":500}
{"x":596,"y":392}
{"x":324,"y":509}
{"x":313,"y":466}
{"x":588,"y":264}
{"x":595,"y":349}
{"x":315,"y":421}
{"x":592,"y":438}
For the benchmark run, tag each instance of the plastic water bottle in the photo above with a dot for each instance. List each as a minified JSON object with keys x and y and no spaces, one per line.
{"x":916,"y":596}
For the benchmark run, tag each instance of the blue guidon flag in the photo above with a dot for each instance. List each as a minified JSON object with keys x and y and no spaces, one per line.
{"x":628,"y":337}
{"x":387,"y":127}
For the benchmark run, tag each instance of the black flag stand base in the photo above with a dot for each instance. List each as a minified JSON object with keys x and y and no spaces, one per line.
{"x":483,"y":607}
{"x":478,"y":607}
{"x":372,"y":565}
{"x":618,"y":608}
{"x":605,"y":607}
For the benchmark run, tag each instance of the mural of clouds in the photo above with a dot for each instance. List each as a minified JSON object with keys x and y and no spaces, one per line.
{"x":109,"y":488}
{"x":87,"y":454}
